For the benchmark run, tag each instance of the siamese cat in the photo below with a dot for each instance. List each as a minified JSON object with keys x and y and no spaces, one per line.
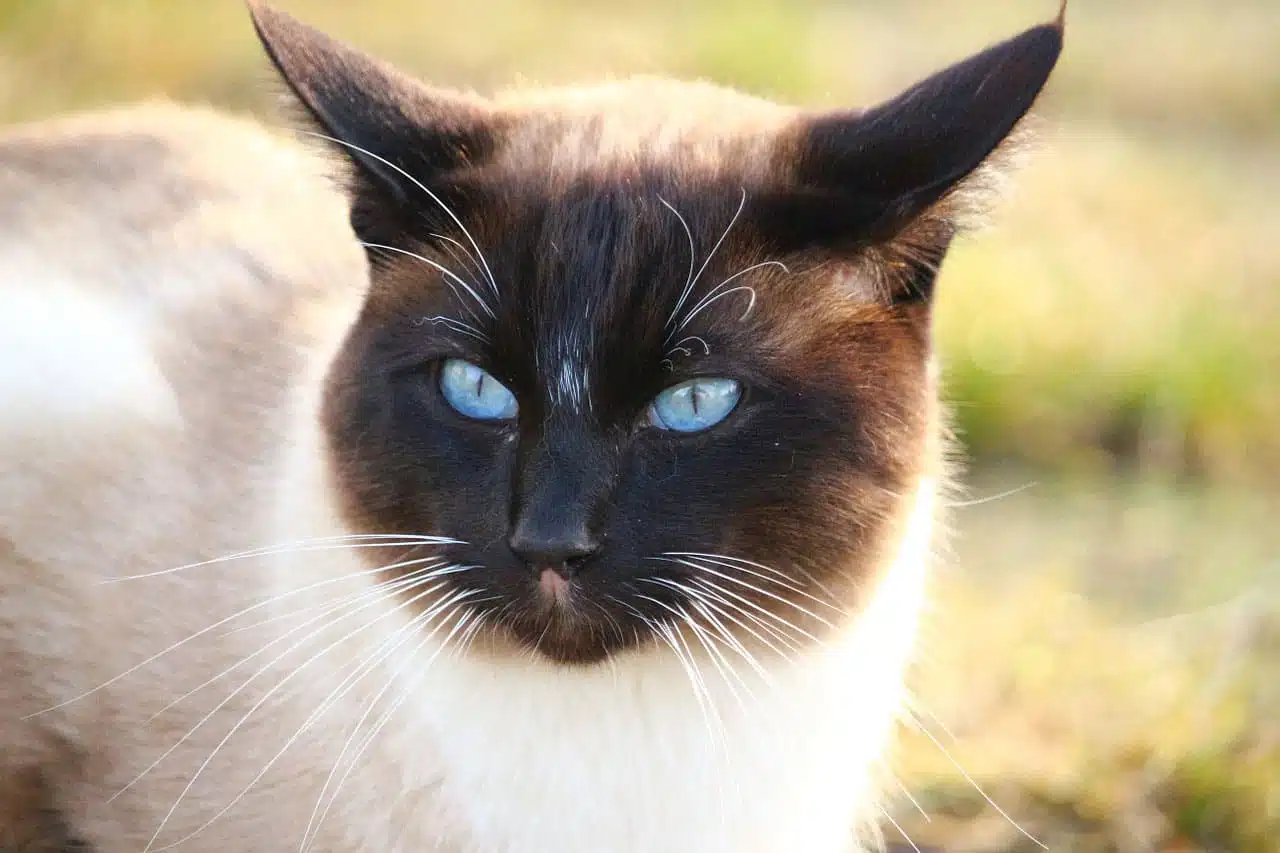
{"x":562,"y":479}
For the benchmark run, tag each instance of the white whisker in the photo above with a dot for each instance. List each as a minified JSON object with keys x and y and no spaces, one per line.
{"x":705,"y":608}
{"x":456,"y":325}
{"x":467,"y":256}
{"x":910,"y":797}
{"x":326,"y":605}
{"x":719,"y":661}
{"x":302,"y":546}
{"x":380,"y":653}
{"x":251,"y":608}
{"x":694,"y":281}
{"x":717,"y":294}
{"x":285,"y":680}
{"x":721,"y":602}
{"x":791,"y":626}
{"x":376,"y":591}
{"x":385,"y":595}
{"x":1007,"y":493}
{"x":421,"y":669}
{"x":968,"y":778}
{"x":740,"y":582}
{"x":774,"y":576}
{"x":710,"y":600}
{"x":817,"y":583}
{"x":671,"y":637}
{"x":688,"y":282}
{"x":440,"y":202}
{"x":885,"y":814}
{"x":442,"y":269}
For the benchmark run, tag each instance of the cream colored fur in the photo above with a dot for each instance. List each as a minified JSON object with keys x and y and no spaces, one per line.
{"x":172,"y":285}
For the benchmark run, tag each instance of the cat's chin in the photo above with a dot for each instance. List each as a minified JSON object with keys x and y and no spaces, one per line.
{"x":564,"y":636}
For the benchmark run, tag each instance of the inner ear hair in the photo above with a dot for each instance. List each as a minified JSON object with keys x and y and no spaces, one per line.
{"x":893,"y":185}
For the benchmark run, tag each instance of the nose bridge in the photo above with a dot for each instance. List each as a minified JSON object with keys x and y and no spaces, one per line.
{"x":564,"y":482}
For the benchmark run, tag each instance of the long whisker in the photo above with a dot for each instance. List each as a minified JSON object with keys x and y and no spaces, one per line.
{"x":741,"y":205}
{"x":380,"y":653}
{"x":718,"y":660}
{"x":466,"y":256}
{"x":456,"y":325}
{"x":783,"y":576}
{"x":740,"y":582}
{"x":1007,"y":493}
{"x":409,"y":580}
{"x":713,"y":595}
{"x":302,"y":546}
{"x":774,"y":576}
{"x":327,"y":605}
{"x":923,"y":729}
{"x":791,"y":626}
{"x":441,"y":268}
{"x":688,"y":282}
{"x":385,"y":595}
{"x":251,"y":608}
{"x":910,"y":797}
{"x":717,"y":294}
{"x":885,"y":814}
{"x":704,"y":603}
{"x":230,"y":734}
{"x":456,"y":221}
{"x":386,"y":717}
{"x":670,"y":636}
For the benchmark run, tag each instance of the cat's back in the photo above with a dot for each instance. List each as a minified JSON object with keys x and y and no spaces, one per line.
{"x":163,"y":270}
{"x":167,"y":275}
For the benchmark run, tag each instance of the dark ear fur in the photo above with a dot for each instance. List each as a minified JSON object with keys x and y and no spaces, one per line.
{"x":397,"y":131}
{"x":862,"y":179}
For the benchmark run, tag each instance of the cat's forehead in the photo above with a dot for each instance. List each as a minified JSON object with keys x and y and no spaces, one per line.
{"x":691,"y":127}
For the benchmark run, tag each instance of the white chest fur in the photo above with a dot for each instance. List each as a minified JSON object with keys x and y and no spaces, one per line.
{"x":487,"y":756}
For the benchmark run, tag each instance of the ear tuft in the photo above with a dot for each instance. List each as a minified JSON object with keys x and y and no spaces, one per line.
{"x":898,"y":180}
{"x":399,"y":133}
{"x":910,"y":151}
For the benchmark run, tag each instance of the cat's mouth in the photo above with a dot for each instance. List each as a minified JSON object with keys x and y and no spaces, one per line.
{"x":559,"y":618}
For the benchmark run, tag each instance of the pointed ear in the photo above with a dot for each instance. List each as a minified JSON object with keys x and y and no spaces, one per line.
{"x":862,"y":178}
{"x":398,"y":133}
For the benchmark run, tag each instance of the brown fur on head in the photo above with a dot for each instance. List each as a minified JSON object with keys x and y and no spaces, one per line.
{"x":585,"y":251}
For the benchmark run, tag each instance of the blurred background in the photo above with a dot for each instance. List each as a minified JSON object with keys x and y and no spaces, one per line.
{"x":1102,"y":664}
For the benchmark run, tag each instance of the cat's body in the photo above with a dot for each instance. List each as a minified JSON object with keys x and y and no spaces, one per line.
{"x":124,"y":352}
{"x":188,"y":308}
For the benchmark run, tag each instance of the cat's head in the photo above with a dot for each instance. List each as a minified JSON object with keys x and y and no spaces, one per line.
{"x":654,"y":353}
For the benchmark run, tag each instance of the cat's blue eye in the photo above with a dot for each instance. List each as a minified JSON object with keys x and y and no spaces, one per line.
{"x":475,"y":393}
{"x":694,"y":405}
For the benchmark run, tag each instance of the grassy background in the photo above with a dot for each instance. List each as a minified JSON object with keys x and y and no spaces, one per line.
{"x":1106,"y":646}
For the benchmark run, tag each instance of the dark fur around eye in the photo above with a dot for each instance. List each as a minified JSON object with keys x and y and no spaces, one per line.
{"x":593,"y":248}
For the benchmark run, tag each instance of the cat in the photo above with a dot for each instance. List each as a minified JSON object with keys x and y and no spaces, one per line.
{"x":562,"y":478}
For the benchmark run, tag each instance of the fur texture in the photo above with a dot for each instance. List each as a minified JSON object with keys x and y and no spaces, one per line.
{"x":215,"y":391}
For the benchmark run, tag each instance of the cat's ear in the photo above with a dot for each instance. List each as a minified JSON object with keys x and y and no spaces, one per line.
{"x":402,"y":136}
{"x":859,"y":179}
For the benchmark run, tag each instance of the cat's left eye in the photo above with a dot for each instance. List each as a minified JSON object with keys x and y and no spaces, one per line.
{"x":695,"y":405}
{"x":473,"y":392}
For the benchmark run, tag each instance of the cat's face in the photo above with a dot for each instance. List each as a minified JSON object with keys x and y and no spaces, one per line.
{"x":654,"y":354}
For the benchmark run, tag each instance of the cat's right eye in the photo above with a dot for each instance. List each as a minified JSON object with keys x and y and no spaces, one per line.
{"x":473,"y":392}
{"x":694,"y":406}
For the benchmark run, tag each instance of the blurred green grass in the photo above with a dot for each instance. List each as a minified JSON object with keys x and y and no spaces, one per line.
{"x":1103,"y":660}
{"x":1121,"y":318}
{"x":1122,"y":314}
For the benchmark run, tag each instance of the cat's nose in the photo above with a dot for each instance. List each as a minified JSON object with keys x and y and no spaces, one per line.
{"x":552,"y":546}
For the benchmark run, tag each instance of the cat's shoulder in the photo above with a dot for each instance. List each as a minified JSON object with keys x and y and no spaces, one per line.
{"x":118,"y":188}
{"x":154,"y":260}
